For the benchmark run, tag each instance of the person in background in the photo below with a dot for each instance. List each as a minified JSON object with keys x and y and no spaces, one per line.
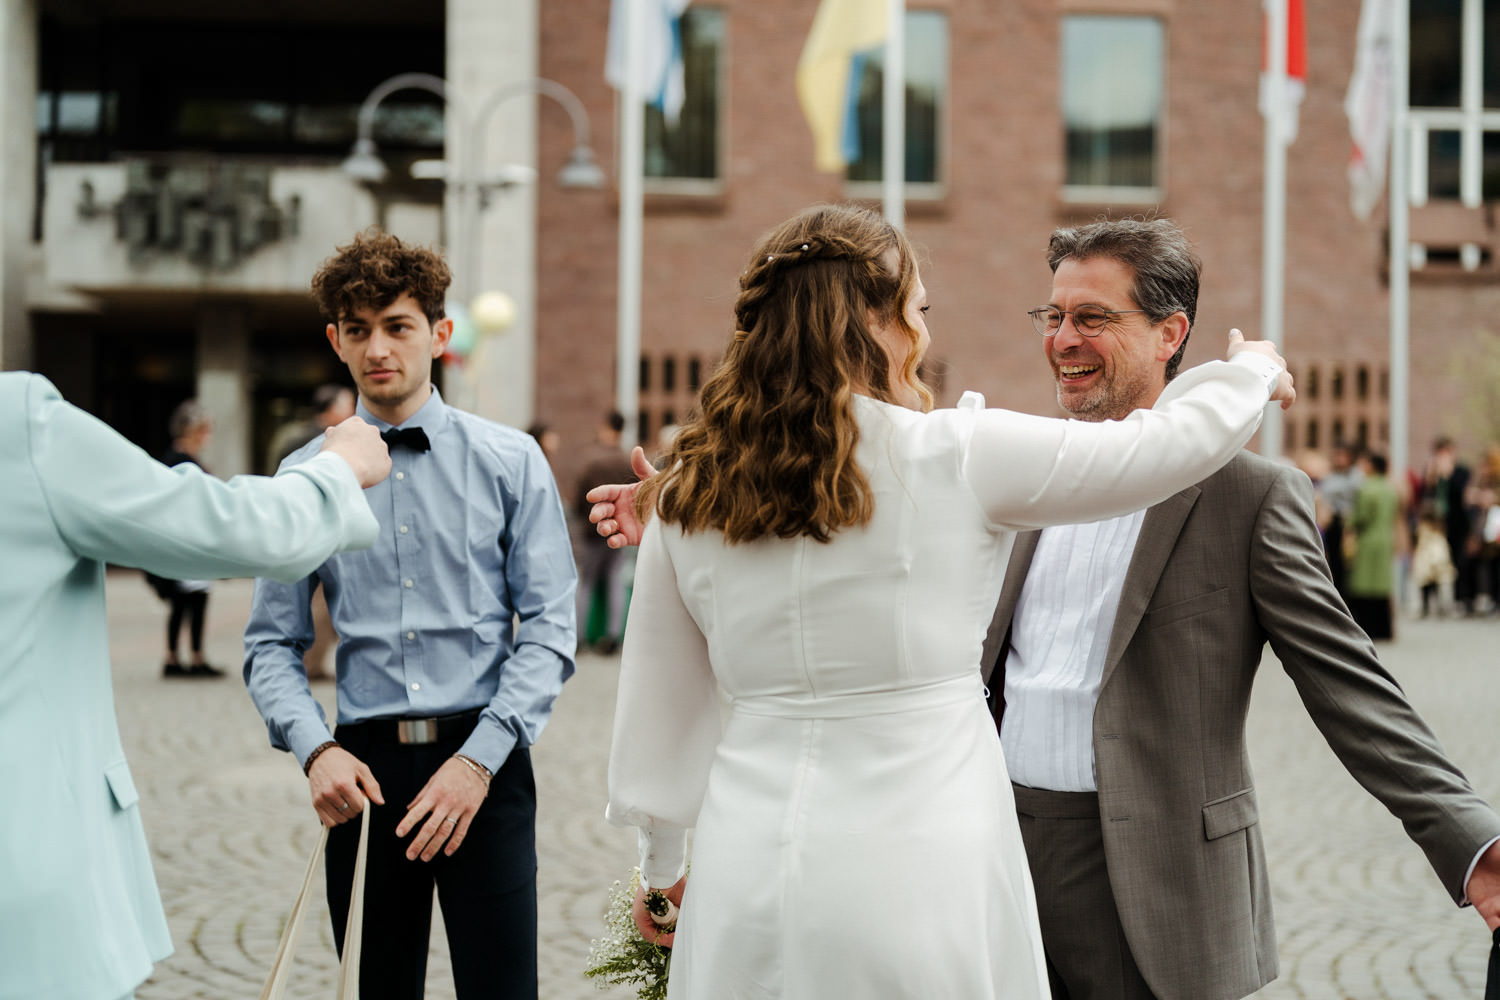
{"x":80,"y":915}
{"x":187,"y":600}
{"x":1372,"y":571}
{"x":603,"y":572}
{"x":332,"y":404}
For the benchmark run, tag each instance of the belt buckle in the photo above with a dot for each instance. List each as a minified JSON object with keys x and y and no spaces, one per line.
{"x":416,"y":730}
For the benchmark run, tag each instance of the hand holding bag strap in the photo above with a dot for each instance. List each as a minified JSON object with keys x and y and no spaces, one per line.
{"x":281,"y":965}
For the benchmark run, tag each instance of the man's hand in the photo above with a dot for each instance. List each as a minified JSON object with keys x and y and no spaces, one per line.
{"x":451,"y":796}
{"x":649,"y":928}
{"x":359,"y":444}
{"x":1284,"y":392}
{"x":339,"y":782}
{"x":614,"y":514}
{"x":1484,"y":886}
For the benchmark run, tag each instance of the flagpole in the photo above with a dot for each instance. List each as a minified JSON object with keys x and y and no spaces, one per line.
{"x":893,"y":104}
{"x":632,"y":169}
{"x":1273,"y":207}
{"x":1398,"y":207}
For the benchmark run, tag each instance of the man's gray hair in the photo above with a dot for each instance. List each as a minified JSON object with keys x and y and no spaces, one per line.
{"x":1165,"y":266}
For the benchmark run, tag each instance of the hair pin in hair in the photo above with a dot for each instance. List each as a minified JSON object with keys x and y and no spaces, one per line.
{"x":770,"y":257}
{"x":804,"y":248}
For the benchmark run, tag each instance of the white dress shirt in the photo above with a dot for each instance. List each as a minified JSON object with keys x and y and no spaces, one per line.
{"x":1059,"y":639}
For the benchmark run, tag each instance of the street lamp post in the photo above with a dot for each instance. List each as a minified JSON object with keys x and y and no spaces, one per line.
{"x":465,"y":178}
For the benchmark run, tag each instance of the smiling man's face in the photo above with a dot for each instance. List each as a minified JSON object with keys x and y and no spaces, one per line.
{"x":1123,"y":367}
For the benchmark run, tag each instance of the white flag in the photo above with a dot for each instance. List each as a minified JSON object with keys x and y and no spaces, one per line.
{"x":659,"y":63}
{"x":1296,"y":70}
{"x":1368,"y":107}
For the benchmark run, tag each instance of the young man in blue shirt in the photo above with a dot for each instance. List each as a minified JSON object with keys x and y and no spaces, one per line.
{"x":456,"y":634}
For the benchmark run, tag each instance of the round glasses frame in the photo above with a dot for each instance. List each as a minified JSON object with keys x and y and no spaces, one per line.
{"x":1088,"y":321}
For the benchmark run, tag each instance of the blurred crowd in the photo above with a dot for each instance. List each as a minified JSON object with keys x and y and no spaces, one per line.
{"x":1427,"y":543}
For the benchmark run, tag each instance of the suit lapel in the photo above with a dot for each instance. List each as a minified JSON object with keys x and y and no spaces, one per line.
{"x":1021,"y":552}
{"x":1159,"y":531}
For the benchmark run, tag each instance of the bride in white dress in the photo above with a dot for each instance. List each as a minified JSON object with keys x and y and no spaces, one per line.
{"x":826,"y":556}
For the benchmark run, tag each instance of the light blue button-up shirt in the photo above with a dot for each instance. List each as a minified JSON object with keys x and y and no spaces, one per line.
{"x":465,"y":601}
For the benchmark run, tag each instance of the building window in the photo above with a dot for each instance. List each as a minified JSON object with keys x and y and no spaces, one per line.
{"x":694,"y":374}
{"x":1312,"y":382}
{"x":1112,"y":98}
{"x":1336,"y":384}
{"x":1312,"y":435}
{"x":1437,"y":70}
{"x":926,"y":94}
{"x":689,"y":147}
{"x":669,"y":374}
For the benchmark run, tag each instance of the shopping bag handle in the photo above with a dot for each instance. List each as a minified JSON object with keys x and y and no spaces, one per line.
{"x":281,"y":965}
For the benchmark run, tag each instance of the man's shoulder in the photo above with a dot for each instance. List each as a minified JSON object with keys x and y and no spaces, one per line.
{"x":500,"y":443}
{"x":1250,"y":473}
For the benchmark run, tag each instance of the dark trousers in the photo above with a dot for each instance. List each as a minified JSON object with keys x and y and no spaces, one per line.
{"x":189,"y":604}
{"x":1088,"y":957}
{"x":487,"y":888}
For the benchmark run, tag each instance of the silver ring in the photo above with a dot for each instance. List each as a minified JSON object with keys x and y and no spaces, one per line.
{"x":343,"y":806}
{"x":450,"y":819}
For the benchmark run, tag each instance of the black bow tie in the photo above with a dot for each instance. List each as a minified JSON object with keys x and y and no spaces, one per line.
{"x":414,"y":438}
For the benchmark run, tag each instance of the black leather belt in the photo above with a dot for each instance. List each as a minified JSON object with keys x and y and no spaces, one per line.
{"x":434,"y":729}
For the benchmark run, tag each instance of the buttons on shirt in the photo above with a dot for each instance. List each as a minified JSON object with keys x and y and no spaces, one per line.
{"x":416,"y":685}
{"x":411,"y":635}
{"x":400,"y":475}
{"x":407,"y":584}
{"x":402,"y":529}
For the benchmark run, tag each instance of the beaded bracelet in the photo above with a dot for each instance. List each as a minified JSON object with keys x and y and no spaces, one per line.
{"x":317,"y":751}
{"x":476,"y":767}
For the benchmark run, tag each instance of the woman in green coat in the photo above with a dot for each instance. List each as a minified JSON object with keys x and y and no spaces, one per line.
{"x":1372,"y":572}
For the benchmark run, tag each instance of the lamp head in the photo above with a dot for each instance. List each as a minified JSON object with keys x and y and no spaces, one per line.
{"x":364,"y":163}
{"x":581,"y":171}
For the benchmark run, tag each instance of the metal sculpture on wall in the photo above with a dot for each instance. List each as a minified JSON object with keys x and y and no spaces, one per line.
{"x":213,"y":213}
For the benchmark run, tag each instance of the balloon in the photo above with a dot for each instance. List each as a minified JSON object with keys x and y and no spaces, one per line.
{"x":464,"y":336}
{"x":494,"y":312}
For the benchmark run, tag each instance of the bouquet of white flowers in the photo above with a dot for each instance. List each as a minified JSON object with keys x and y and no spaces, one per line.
{"x":623,"y":957}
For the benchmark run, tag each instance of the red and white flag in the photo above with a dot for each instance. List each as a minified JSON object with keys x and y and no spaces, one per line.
{"x":1296,"y":69}
{"x":1368,"y":107}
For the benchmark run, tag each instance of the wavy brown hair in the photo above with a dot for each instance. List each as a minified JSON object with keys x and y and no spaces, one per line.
{"x":770,"y":450}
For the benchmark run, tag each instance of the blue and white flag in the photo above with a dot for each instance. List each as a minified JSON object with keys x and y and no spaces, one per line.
{"x":659,"y":63}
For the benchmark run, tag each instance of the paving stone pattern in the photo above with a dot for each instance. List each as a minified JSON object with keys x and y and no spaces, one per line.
{"x":1359,"y":914}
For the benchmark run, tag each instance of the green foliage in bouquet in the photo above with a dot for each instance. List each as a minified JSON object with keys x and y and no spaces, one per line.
{"x":622,"y":957}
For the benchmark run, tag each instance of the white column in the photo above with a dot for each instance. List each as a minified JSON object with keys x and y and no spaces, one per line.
{"x":18,"y":70}
{"x":224,"y":385}
{"x":493,"y":44}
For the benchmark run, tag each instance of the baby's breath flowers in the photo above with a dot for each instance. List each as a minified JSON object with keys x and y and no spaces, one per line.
{"x":622,"y":957}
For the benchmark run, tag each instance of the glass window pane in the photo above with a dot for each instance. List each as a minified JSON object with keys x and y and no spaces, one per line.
{"x":1436,"y":46}
{"x":228,"y":120}
{"x":79,"y":113}
{"x":689,"y":147}
{"x":1443,"y":163}
{"x":1112,"y":82}
{"x":1491,"y":45}
{"x":926,"y":92}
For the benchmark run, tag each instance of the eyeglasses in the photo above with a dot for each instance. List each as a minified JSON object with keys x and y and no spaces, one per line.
{"x":1088,"y":320}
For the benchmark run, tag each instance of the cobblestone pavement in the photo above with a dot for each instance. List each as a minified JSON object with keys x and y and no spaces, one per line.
{"x":1359,"y":914}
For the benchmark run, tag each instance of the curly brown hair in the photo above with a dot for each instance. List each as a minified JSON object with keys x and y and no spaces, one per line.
{"x":377,"y":269}
{"x":771,"y":449}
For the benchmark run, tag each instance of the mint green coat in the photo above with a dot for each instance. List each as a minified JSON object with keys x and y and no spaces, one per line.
{"x":80,"y":918}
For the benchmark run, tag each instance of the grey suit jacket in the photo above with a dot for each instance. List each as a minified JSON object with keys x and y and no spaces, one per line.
{"x":1219,"y":570}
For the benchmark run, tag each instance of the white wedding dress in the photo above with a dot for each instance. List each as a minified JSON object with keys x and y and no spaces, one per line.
{"x":855,"y":831}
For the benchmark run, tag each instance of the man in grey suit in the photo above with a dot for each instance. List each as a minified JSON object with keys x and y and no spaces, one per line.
{"x":1121,"y":659}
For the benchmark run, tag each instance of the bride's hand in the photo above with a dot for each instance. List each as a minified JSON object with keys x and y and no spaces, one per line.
{"x":649,"y":928}
{"x":613,"y":514}
{"x":1285,"y":393}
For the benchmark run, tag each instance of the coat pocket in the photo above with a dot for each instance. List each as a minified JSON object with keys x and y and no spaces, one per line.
{"x":121,"y":785}
{"x":1230,"y":814}
{"x":1214,"y":600}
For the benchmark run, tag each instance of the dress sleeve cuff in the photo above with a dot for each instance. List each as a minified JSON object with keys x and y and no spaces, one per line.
{"x":1268,"y":370}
